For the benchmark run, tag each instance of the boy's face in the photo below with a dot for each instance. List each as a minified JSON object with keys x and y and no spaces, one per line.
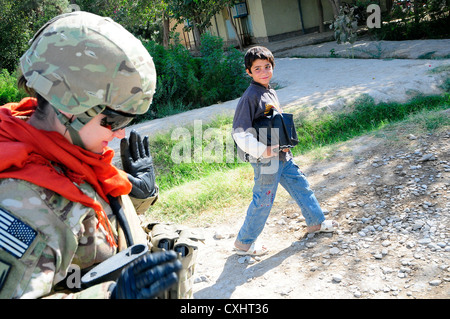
{"x":261,"y":71}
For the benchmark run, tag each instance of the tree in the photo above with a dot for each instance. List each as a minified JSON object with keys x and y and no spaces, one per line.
{"x":345,"y":26}
{"x":19,"y":20}
{"x":234,"y":27}
{"x":320,"y":8}
{"x":197,"y":13}
{"x":140,"y":17}
{"x":336,"y":6}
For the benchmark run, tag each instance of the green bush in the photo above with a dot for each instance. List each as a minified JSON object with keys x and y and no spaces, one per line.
{"x":177,"y":80}
{"x":198,"y":157}
{"x":185,"y":82}
{"x":19,"y":21}
{"x":431,"y":20}
{"x":8,"y":88}
{"x":222,"y":73}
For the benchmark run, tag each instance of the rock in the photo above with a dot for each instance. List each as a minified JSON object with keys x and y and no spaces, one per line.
{"x":334,"y":251}
{"x":310,"y":244}
{"x":427,"y":157}
{"x":418,"y":224}
{"x":435,"y":282}
{"x":201,"y":278}
{"x":424,"y":241}
{"x":222,"y":235}
{"x":285,"y":291}
{"x":441,"y":244}
{"x":385,"y":243}
{"x":387,"y":270}
{"x":337,"y":278}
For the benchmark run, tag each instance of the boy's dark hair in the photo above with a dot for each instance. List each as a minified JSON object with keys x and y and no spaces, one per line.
{"x":255,"y":53}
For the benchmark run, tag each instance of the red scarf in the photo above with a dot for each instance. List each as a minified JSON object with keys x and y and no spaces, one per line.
{"x":30,"y":154}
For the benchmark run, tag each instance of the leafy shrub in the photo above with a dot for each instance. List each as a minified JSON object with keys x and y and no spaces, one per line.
{"x":431,"y":20}
{"x":185,"y":82}
{"x":177,"y":79}
{"x":222,"y":73}
{"x":8,"y":88}
{"x":19,"y":21}
{"x":346,"y":25}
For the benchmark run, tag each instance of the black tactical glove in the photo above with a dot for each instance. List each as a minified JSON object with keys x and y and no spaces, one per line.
{"x":147,"y":277}
{"x":138,"y":163}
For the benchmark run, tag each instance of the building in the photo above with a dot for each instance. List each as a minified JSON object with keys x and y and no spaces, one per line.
{"x":260,"y":21}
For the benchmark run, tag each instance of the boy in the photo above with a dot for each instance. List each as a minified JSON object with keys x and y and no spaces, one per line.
{"x":270,"y":165}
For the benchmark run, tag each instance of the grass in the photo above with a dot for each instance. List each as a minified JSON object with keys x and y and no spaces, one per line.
{"x":192,"y":190}
{"x":365,"y":116}
{"x":216,"y":192}
{"x":193,"y":152}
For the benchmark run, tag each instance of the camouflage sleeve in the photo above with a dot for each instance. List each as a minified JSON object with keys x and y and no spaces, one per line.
{"x":40,"y":235}
{"x":15,"y":273}
{"x":19,"y":266}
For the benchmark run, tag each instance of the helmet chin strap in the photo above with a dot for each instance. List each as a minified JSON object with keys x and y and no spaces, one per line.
{"x":74,"y":126}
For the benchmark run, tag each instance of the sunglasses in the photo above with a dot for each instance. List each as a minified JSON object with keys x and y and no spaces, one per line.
{"x":115,"y":120}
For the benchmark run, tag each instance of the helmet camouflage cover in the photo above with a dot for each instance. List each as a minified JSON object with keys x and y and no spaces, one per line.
{"x":80,"y":60}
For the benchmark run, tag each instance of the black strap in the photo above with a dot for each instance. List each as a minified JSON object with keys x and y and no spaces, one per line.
{"x":123,"y":222}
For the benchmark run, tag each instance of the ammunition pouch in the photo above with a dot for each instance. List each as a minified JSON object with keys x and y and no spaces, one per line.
{"x":185,"y":242}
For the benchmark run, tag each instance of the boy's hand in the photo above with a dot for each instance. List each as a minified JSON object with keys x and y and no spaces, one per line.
{"x":271,"y":151}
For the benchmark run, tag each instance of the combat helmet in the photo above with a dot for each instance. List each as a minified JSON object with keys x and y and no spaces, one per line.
{"x":84,"y":64}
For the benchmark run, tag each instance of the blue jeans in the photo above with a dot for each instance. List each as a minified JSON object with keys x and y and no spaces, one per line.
{"x":264,"y":191}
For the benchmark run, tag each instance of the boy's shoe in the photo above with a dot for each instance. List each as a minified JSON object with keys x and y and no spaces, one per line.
{"x":256,"y":249}
{"x":327,"y":226}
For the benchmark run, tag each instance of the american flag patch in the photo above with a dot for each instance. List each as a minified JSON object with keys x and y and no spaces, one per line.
{"x":15,"y":235}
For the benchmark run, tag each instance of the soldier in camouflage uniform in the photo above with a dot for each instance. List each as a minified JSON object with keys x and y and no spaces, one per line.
{"x":57,"y":183}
